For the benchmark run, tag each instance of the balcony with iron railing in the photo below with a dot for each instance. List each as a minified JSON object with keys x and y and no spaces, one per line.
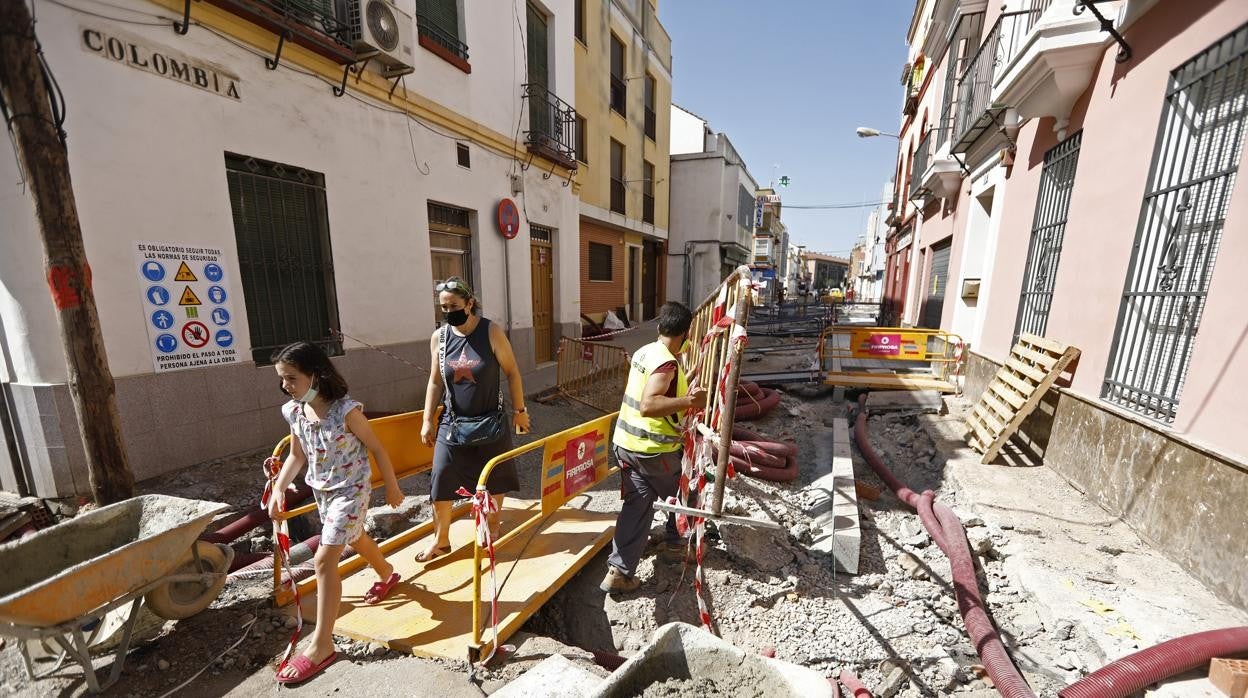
{"x":975,"y":112}
{"x":922,"y":158}
{"x":442,"y":42}
{"x":312,"y":24}
{"x":1047,"y":59}
{"x":619,"y":95}
{"x":552,"y":126}
{"x":617,"y":196}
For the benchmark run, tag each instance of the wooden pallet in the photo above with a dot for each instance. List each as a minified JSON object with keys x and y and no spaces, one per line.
{"x":1034,"y":363}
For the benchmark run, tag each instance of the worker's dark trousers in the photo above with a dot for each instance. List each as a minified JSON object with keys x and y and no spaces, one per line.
{"x":643,"y":479}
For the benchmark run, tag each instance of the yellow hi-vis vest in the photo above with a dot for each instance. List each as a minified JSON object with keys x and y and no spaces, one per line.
{"x":648,"y":434}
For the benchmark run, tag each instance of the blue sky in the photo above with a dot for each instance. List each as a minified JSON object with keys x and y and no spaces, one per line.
{"x":789,"y":81}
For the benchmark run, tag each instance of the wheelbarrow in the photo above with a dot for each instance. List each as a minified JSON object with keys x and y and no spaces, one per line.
{"x":60,"y":583}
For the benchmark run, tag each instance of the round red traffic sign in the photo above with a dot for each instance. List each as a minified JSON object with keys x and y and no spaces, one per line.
{"x":195,"y":334}
{"x":508,"y":218}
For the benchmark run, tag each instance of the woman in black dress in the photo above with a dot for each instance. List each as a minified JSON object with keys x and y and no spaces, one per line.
{"x":475,"y":357}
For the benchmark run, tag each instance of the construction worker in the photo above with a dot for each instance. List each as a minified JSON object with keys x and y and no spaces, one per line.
{"x":648,"y":441}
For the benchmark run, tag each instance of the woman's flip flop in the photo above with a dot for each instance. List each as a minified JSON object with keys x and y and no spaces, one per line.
{"x":380,"y":590}
{"x":433,"y":553}
{"x":304,"y":668}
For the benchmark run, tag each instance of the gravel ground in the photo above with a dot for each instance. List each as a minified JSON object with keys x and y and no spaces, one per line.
{"x":895,"y":623}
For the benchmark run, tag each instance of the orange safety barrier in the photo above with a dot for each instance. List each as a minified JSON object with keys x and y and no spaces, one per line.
{"x":911,"y":359}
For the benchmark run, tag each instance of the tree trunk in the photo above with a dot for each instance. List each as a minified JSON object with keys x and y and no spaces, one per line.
{"x":45,"y":162}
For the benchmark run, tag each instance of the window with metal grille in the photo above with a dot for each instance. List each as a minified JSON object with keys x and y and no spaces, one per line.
{"x":1048,"y":227}
{"x":619,"y":91}
{"x":578,"y":20}
{"x":462,"y":155}
{"x":650,"y":120}
{"x":582,"y":153}
{"x":540,"y":233}
{"x":647,"y":192}
{"x":617,"y":177}
{"x":1199,"y":143}
{"x":599,"y":262}
{"x":282,"y":231}
{"x":438,"y":20}
{"x":450,"y":245}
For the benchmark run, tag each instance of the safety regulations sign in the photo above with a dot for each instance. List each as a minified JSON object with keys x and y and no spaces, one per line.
{"x":186,"y":308}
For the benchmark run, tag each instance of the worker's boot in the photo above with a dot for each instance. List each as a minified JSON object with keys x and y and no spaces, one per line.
{"x":616,"y":582}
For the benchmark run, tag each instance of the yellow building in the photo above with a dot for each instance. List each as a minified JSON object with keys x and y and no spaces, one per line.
{"x":623,"y":100}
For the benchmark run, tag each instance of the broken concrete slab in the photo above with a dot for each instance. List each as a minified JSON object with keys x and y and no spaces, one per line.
{"x":834,"y":498}
{"x":555,"y":676}
{"x":910,"y":401}
{"x":686,"y":660}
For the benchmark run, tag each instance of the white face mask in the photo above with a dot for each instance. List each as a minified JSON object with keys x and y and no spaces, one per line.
{"x":308,"y":396}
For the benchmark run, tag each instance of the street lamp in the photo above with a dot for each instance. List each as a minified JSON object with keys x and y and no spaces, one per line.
{"x":868,"y":132}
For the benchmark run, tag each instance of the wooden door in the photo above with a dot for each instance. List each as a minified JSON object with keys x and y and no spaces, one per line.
{"x":649,"y":280}
{"x":541,"y":256}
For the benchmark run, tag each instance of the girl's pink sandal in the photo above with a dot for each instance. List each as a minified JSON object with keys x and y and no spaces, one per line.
{"x":304,"y":668}
{"x":380,"y":590}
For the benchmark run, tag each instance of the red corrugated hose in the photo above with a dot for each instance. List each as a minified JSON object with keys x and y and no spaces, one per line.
{"x":853,"y":684}
{"x":1134,"y":672}
{"x":946,"y":530}
{"x":758,"y":456}
{"x":754,"y":402}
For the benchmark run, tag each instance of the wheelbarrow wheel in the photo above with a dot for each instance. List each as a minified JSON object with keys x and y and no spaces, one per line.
{"x":178,"y":600}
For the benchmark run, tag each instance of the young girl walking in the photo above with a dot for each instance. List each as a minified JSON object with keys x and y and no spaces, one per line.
{"x":329,"y":433}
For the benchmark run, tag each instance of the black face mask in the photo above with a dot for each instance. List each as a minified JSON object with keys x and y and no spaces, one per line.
{"x":456,"y":318}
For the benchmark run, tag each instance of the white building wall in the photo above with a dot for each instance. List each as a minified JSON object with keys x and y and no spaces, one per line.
{"x":688,"y":132}
{"x":147,"y":160}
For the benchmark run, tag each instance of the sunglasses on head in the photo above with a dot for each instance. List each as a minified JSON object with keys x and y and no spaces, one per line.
{"x":453,"y":285}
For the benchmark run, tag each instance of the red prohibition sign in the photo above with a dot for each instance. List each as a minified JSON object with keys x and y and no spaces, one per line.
{"x":508,"y":218}
{"x":195,"y":334}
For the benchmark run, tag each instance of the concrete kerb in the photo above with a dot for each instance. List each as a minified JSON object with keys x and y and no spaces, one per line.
{"x":834,"y":498}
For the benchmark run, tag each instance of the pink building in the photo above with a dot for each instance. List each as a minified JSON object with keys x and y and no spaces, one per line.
{"x":1077,"y":180}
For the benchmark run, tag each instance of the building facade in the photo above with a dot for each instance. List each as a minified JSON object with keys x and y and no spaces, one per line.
{"x":232,"y":204}
{"x":1098,"y":210}
{"x":826,"y":271}
{"x":712,"y":212}
{"x":623,"y":97}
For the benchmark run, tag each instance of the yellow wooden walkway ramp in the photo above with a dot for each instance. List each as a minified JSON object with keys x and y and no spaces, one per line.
{"x":442,"y":608}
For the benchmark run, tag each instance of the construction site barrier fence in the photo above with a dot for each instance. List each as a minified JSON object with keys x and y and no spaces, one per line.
{"x":938,"y":354}
{"x":717,"y":340}
{"x":590,"y":373}
{"x":573,"y":460}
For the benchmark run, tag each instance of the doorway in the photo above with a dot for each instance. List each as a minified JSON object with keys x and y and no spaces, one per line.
{"x":649,"y":279}
{"x":632,"y":284}
{"x":541,"y":260}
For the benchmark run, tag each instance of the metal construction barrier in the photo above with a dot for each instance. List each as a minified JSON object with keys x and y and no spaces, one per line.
{"x":891,"y":357}
{"x":592,"y":374}
{"x":400,"y":435}
{"x":573,"y":460}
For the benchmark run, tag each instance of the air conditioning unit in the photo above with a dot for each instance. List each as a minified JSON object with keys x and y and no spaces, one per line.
{"x":382,"y":32}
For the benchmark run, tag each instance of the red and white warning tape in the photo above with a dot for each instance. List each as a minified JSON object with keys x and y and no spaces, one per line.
{"x":482,"y":506}
{"x":281,"y":552}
